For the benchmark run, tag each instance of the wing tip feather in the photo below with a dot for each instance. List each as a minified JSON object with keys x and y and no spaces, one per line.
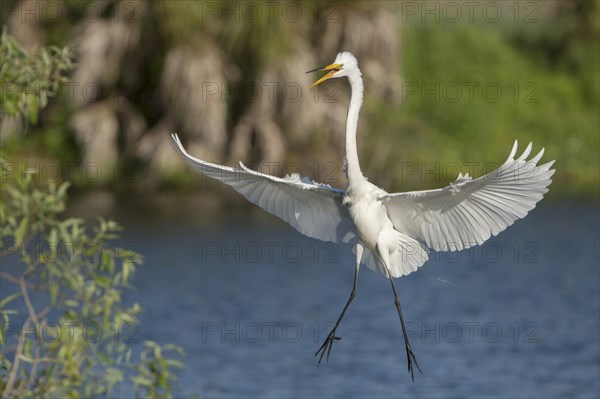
{"x":513,"y":151}
{"x":526,"y":152}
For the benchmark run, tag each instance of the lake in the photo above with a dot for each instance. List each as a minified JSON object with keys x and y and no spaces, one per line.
{"x":251,"y":300}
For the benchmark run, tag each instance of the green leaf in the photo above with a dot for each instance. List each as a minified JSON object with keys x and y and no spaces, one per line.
{"x":174,"y":363}
{"x":141,"y":381}
{"x":32,"y":107}
{"x":127,"y":268}
{"x":53,"y":288}
{"x":102,"y":280}
{"x":21,"y":230}
{"x":71,"y":303}
{"x":104,"y":358}
{"x":11,"y":107}
{"x":63,"y":189}
{"x":9,"y":298}
{"x":27,"y":350}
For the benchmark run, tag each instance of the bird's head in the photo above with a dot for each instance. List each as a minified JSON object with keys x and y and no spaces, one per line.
{"x":345,"y":64}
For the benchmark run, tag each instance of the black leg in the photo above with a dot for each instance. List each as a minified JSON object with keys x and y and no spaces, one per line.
{"x":331,"y":338}
{"x":409,"y":353}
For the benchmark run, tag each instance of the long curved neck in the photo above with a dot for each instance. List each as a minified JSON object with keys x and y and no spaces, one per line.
{"x":356,"y":98}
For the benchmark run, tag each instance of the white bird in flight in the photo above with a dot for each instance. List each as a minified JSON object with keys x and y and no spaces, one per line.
{"x":391,"y":233}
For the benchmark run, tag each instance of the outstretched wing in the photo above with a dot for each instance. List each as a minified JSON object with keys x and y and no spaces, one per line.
{"x":468,"y":212}
{"x":313,"y":209}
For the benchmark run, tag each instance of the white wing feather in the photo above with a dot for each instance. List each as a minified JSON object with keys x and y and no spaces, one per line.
{"x":313,"y":209}
{"x":468,"y":212}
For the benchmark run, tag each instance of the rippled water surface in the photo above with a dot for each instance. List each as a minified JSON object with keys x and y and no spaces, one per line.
{"x":250,"y":300}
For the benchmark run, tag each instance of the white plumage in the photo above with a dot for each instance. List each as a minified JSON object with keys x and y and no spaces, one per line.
{"x":313,"y":209}
{"x":468,"y":212}
{"x":391,"y":233}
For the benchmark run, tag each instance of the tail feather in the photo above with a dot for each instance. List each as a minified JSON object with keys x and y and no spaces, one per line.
{"x":407,"y":258}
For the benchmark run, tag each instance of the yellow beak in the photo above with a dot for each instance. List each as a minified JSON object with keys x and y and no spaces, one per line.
{"x":333,"y":68}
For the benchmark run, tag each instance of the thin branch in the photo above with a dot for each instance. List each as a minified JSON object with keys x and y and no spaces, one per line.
{"x":32,"y":312}
{"x":9,"y":277}
{"x":8,"y":251}
{"x":32,"y":268}
{"x":19,"y":353}
{"x":39,"y":360}
{"x":44,"y":312}
{"x":14,"y":279}
{"x":10,"y":382}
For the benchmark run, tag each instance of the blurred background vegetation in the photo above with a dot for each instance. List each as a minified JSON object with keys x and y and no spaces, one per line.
{"x":448,"y":89}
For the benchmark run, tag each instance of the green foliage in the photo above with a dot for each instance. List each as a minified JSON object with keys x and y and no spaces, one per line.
{"x":62,"y":322}
{"x":470,"y":84}
{"x":63,"y":329}
{"x":27,"y":79}
{"x":154,"y":371}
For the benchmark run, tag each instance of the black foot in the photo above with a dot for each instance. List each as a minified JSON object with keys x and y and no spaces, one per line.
{"x":410,"y":355}
{"x":327,"y":345}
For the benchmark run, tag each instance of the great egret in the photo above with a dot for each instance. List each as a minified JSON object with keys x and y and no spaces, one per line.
{"x":391,"y":233}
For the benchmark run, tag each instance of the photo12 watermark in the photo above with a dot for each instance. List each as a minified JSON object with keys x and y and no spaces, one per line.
{"x":56,"y":172}
{"x":71,"y":331}
{"x":236,"y":332}
{"x":269,"y":252}
{"x":54,"y":11}
{"x":70,"y":251}
{"x":453,"y":12}
{"x":491,"y":332}
{"x":470,"y":91}
{"x":318,"y":252}
{"x":472,"y":331}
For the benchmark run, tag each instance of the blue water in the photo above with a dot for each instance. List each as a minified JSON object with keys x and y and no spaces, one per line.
{"x":250,"y":300}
